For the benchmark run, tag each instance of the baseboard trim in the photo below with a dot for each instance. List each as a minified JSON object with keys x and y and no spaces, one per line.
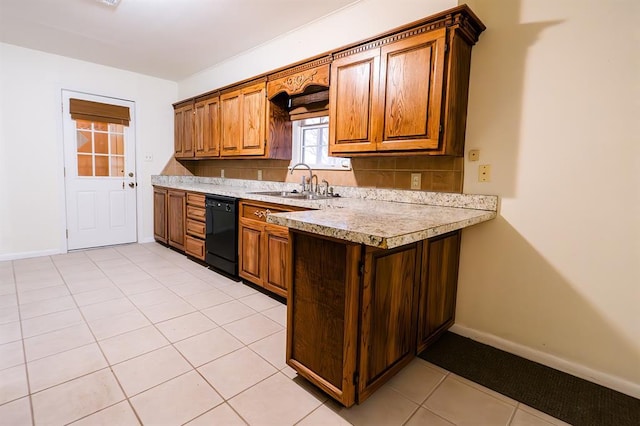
{"x":29,"y":254}
{"x":569,"y":367}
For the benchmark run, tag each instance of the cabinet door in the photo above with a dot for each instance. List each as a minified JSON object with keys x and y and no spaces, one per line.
{"x":411,"y":90}
{"x":183,"y":131}
{"x":353,"y":125}
{"x":160,"y":215}
{"x":276,"y":270}
{"x":388,"y":314}
{"x":437,"y":300}
{"x":207,"y":128}
{"x":176,"y":217}
{"x":253,"y":119}
{"x":251,"y":248}
{"x":322,"y":314}
{"x":230,"y":120}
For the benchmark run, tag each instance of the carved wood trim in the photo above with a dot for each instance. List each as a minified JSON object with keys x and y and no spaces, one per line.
{"x":295,"y":84}
{"x":300,"y":68}
{"x":460,"y":20}
{"x":393,"y":38}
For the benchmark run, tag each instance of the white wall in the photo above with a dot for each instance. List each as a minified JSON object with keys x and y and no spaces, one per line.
{"x":554,"y":109}
{"x":556,"y":277}
{"x":361,"y":20}
{"x":32,"y":219}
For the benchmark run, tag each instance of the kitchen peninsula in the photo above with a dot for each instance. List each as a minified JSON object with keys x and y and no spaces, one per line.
{"x":372,"y":275}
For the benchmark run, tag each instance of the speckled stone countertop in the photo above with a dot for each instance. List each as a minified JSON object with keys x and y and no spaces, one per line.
{"x":375,"y":217}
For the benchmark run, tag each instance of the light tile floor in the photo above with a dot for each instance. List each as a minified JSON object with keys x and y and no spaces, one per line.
{"x":140,"y":334}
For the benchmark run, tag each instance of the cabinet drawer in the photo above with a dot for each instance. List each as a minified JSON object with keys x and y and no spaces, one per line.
{"x":194,"y":247}
{"x":196,"y":200}
{"x":258,"y":211}
{"x":196,"y":213}
{"x":196,"y":228}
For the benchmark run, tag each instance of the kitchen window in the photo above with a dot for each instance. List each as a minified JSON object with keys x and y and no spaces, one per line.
{"x":311,"y":145}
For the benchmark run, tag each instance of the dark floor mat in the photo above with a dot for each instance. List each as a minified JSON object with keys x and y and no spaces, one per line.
{"x":558,"y":394}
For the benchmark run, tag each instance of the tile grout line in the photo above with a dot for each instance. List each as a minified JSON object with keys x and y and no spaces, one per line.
{"x":224,"y":400}
{"x":513,"y":414}
{"x":86,"y":323}
{"x":24,"y":349}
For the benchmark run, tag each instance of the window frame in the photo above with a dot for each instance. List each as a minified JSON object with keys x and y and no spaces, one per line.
{"x":297,"y":130}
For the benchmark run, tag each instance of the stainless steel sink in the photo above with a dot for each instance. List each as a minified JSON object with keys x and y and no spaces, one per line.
{"x":293,"y":195}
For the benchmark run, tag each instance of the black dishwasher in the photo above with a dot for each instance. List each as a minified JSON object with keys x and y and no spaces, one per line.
{"x":221,"y":244}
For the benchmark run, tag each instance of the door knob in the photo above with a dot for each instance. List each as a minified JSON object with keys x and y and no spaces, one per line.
{"x":132,"y":185}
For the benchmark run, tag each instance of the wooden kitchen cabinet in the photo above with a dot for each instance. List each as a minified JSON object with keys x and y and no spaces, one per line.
{"x":183,"y":130}
{"x":197,"y":128}
{"x":388,"y":316}
{"x":370,"y":310}
{"x":405,"y":93}
{"x":195,"y":225}
{"x":160,"y":214}
{"x":353,"y":126}
{"x":263,"y":247}
{"x":276,"y":271}
{"x":176,"y":216}
{"x":206,"y":128}
{"x":439,"y":285}
{"x":243,"y":120}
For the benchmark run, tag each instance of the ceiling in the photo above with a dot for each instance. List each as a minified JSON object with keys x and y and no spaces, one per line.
{"x":170,"y":39}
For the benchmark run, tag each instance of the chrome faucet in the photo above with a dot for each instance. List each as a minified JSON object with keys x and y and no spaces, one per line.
{"x":310,"y":175}
{"x":326,"y":188}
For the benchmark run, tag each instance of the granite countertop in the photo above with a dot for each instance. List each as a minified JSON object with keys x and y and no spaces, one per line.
{"x":375,"y":217}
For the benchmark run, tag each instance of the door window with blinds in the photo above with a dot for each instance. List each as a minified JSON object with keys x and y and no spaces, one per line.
{"x":100,"y":138}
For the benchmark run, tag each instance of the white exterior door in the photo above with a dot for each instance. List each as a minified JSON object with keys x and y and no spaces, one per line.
{"x":100,"y":177}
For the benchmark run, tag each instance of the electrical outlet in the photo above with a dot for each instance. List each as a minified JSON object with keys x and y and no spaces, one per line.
{"x":484,"y":173}
{"x":416,"y":180}
{"x":221,"y":172}
{"x":474,"y":155}
{"x":148,"y":156}
{"x":259,"y":174}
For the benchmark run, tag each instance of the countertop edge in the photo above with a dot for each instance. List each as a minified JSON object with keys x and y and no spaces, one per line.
{"x":445,"y":204}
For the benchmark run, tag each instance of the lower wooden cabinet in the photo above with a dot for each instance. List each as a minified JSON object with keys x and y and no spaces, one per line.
{"x":195,"y":225}
{"x":160,"y":214}
{"x":264,"y":247}
{"x":356,"y":315}
{"x":179,"y":220}
{"x":276,"y":271}
{"x":176,"y":215}
{"x":438,"y":288}
{"x":169,"y":210}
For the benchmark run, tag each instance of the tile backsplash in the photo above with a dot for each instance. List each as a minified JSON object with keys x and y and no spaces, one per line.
{"x":439,"y":174}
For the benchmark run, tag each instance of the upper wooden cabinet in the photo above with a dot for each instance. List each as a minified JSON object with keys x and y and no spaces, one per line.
{"x":353,"y":126}
{"x":207,"y":128}
{"x":197,"y":128}
{"x":243,"y":120}
{"x":405,"y":93}
{"x":183,"y":131}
